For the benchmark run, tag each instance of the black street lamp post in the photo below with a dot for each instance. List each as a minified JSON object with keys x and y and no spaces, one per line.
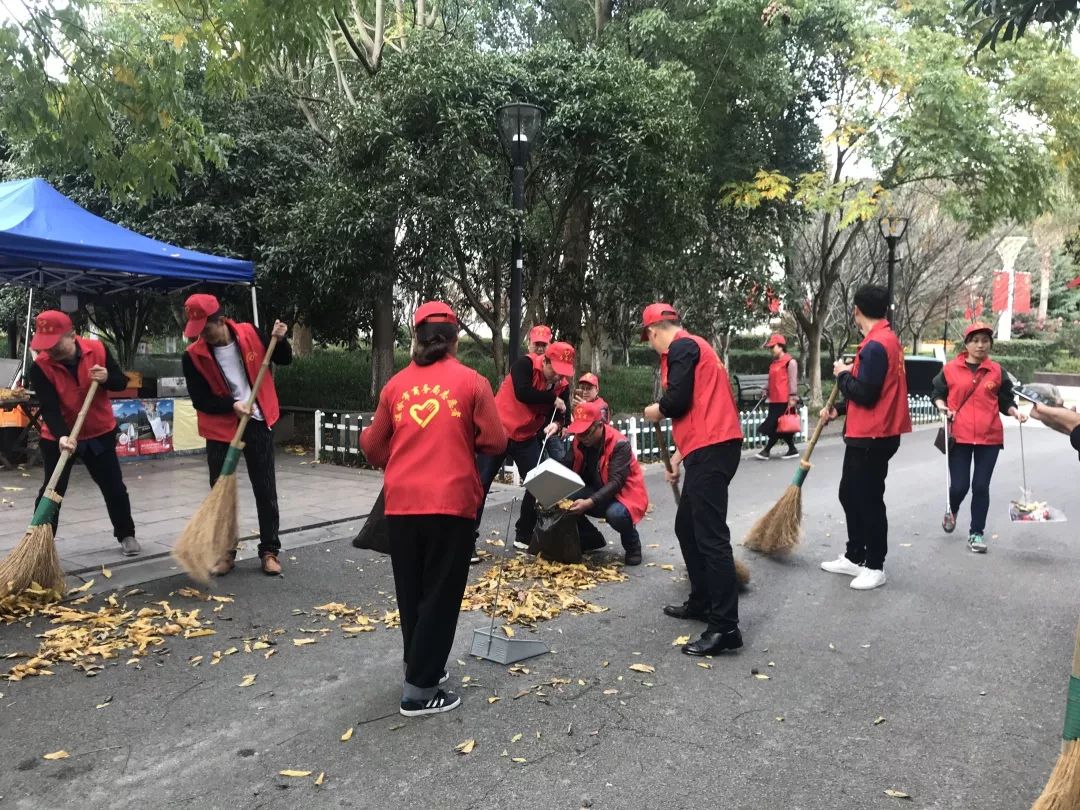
{"x":519,"y":127}
{"x":892,"y":228}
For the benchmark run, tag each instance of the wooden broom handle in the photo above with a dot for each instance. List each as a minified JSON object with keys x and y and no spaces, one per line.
{"x":665,"y":456}
{"x":265,"y":367}
{"x":805,"y":462}
{"x":1076,"y":655}
{"x":65,"y":456}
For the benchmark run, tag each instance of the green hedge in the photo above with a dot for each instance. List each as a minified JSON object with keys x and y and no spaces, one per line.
{"x":1040,"y":350}
{"x":1023,"y":368}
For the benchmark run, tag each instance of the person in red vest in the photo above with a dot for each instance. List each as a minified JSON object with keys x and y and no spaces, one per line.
{"x":531,"y":395}
{"x":614,"y":484}
{"x":63,"y":368}
{"x":782,"y":394}
{"x":433,"y":417}
{"x":708,"y":443}
{"x":220,"y":367}
{"x":588,"y":390}
{"x":875,"y":400}
{"x":972,"y":390}
{"x":539,"y":340}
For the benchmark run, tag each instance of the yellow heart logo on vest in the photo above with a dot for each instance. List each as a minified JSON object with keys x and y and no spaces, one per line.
{"x":423,"y":413}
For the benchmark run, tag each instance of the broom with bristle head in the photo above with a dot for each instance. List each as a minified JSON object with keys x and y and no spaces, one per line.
{"x":742,"y":573}
{"x":1062,"y":791}
{"x":212,"y":531}
{"x":35,"y":559}
{"x":778,"y":530}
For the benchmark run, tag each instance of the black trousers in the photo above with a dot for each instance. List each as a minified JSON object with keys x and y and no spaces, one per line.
{"x":704,"y":536}
{"x":862,"y":494}
{"x":960,"y":478}
{"x":259,"y":457}
{"x":526,"y":456}
{"x":772,"y":421}
{"x":99,"y":457}
{"x":430,"y":555}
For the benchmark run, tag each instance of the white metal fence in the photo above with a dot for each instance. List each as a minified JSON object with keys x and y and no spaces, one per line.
{"x":337,"y":435}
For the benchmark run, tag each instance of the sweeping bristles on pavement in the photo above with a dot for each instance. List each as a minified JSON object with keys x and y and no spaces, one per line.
{"x":212,"y":531}
{"x":34,"y":560}
{"x":778,"y":531}
{"x":1062,"y":791}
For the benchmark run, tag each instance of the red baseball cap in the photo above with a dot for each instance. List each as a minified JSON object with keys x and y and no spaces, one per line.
{"x":198,"y":308}
{"x":562,"y":357}
{"x":589,"y":378}
{"x":654,"y":314}
{"x":540,"y":334}
{"x":977,"y":327}
{"x":775,"y":340}
{"x":436,"y":312}
{"x":586,"y":414}
{"x":49,"y":327}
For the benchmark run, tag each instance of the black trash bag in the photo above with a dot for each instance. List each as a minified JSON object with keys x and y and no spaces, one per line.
{"x":556,"y":536}
{"x":375,"y":535}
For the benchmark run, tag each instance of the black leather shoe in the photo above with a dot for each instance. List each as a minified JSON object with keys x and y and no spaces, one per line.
{"x":684,"y":611}
{"x":712,"y":643}
{"x":633,"y":556}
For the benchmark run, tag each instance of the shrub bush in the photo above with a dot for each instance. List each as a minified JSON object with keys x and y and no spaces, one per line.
{"x":1023,"y":368}
{"x":1039,"y":350}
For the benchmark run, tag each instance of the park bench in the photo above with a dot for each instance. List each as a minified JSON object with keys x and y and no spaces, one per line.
{"x":750,"y":388}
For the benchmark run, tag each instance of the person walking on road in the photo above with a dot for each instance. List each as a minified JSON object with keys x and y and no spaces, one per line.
{"x":220,"y":367}
{"x":708,"y":443}
{"x":875,"y":401}
{"x":783,"y":395}
{"x":60,"y":376}
{"x":533,"y":392}
{"x":971,"y":390}
{"x":433,"y":417}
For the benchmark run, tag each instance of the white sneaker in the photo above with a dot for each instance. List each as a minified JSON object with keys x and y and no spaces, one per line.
{"x":869,"y":579}
{"x":521,"y":546}
{"x":842,"y":565}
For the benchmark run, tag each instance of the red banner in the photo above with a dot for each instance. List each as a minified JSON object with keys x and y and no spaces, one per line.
{"x":1021,"y":292}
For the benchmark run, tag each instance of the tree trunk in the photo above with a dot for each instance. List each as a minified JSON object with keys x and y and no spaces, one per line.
{"x":302,"y":341}
{"x":1046,"y":265}
{"x":13,"y":339}
{"x":570,"y":278}
{"x":498,"y":345}
{"x":382,"y":341}
{"x":813,"y":362}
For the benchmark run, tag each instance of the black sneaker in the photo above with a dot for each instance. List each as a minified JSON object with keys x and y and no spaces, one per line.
{"x":633,"y":555}
{"x":439,"y":703}
{"x":712,"y":643}
{"x":791,"y":453}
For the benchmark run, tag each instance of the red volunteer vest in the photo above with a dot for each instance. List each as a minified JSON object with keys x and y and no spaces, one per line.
{"x":778,"y":378}
{"x":221,"y":426}
{"x":522,"y":421}
{"x":72,"y":392}
{"x":634,"y":496}
{"x":432,"y":466}
{"x":978,"y":421}
{"x":713,"y":417}
{"x":890,"y":415}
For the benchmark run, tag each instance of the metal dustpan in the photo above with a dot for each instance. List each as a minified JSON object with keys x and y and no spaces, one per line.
{"x":496,"y":645}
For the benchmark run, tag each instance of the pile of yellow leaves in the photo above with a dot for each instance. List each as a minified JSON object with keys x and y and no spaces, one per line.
{"x":15,"y":607}
{"x":86,"y":638}
{"x":354,"y":620}
{"x":535,"y":589}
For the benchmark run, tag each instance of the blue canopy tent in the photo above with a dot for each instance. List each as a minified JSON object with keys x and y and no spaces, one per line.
{"x":49,"y":242}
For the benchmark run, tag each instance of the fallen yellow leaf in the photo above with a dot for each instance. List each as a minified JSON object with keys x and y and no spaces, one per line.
{"x":296,"y":774}
{"x":465,"y":747}
{"x":249,"y":680}
{"x":57,"y":755}
{"x":105,"y":572}
{"x":643,"y":668}
{"x":611,"y":691}
{"x":879,"y":721}
{"x":508,"y":630}
{"x":518,"y":759}
{"x":347,"y":735}
{"x":320,"y":778}
{"x":761,"y":676}
{"x":300,"y":642}
{"x":703,"y":665}
{"x":268,"y":653}
{"x":515,"y":738}
{"x":667,"y":567}
{"x":896,"y":794}
{"x":202,"y":631}
{"x":494,"y":699}
{"x":680,"y":641}
{"x":84,"y":587}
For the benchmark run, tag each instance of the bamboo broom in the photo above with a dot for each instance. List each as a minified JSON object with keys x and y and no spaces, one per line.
{"x":1062,"y":791}
{"x":34,"y":559}
{"x":742,"y":573}
{"x":778,"y":531}
{"x":212,"y":531}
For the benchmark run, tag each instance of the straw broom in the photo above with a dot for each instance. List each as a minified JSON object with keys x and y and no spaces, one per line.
{"x":212,"y":530}
{"x":742,"y":573}
{"x":1062,"y":791}
{"x":777,"y":531}
{"x":35,"y":559}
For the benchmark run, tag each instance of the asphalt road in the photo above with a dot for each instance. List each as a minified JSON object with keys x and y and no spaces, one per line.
{"x":948,"y":684}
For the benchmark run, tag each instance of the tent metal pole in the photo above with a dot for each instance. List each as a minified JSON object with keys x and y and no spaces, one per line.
{"x":254,"y":307}
{"x":26,"y":342}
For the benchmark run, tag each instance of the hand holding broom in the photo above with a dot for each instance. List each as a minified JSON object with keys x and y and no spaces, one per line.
{"x":212,"y":530}
{"x":1062,"y":791}
{"x":35,"y":559}
{"x":778,"y":530}
{"x":742,"y":573}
